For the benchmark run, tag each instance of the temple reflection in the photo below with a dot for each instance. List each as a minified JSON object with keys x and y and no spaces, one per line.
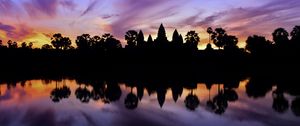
{"x":213,"y":97}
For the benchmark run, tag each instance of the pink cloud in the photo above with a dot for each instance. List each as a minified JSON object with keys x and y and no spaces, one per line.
{"x":39,"y":8}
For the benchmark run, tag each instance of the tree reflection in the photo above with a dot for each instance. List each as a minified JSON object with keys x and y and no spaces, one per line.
{"x":131,"y":101}
{"x":113,"y":92}
{"x":231,"y":95}
{"x":83,"y":94}
{"x":258,"y":87}
{"x":98,"y":91}
{"x":210,"y":104}
{"x":296,"y":106}
{"x":280,"y":104}
{"x":57,"y":94}
{"x":191,"y":101}
{"x":220,"y":102}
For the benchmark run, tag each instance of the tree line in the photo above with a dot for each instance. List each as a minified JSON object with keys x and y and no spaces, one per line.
{"x":255,"y":44}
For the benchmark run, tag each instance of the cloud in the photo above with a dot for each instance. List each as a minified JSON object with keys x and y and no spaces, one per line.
{"x":16,"y":32}
{"x":90,"y":7}
{"x":41,"y":8}
{"x":68,"y":4}
{"x":142,"y":14}
{"x":7,"y":28}
{"x":108,"y":16}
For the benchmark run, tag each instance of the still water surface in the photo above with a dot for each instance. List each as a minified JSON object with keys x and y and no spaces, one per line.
{"x":72,"y":103}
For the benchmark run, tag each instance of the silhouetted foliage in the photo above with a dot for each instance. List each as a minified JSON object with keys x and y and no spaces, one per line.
{"x":47,"y":46}
{"x":280,"y":37}
{"x":110,"y":42}
{"x":218,"y":36}
{"x":295,"y":34}
{"x":210,"y":31}
{"x":230,"y":42}
{"x":131,"y":38}
{"x":60,"y":42}
{"x":257,"y":45}
{"x":12,"y":45}
{"x":84,"y":42}
{"x":192,"y":40}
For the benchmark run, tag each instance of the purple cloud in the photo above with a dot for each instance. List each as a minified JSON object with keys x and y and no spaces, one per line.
{"x":68,"y":4}
{"x":16,"y":33}
{"x":41,"y":8}
{"x":90,"y":7}
{"x":149,"y":12}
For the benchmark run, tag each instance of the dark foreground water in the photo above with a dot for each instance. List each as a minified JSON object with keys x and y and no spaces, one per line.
{"x":71,"y":103}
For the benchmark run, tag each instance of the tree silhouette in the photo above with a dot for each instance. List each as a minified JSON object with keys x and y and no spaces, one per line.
{"x":295,"y":34}
{"x":47,"y":46}
{"x":192,"y":40}
{"x":84,"y":42}
{"x":141,"y":40}
{"x":97,"y":43}
{"x":230,"y":42}
{"x":60,"y":42}
{"x":110,"y":42}
{"x":25,"y":46}
{"x":280,"y":37}
{"x":131,"y":38}
{"x":257,"y":44}
{"x":12,"y":45}
{"x":161,"y":40}
{"x":218,"y":37}
{"x":210,"y":32}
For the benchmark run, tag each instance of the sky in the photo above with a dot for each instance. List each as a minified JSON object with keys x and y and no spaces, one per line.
{"x":37,"y":20}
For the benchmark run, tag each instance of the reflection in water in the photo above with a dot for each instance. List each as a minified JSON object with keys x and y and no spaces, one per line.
{"x":226,"y":99}
{"x":191,"y":101}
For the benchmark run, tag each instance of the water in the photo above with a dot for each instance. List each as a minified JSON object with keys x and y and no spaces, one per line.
{"x":74,"y":103}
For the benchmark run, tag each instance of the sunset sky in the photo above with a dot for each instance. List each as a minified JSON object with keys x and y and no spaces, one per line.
{"x":36,"y":20}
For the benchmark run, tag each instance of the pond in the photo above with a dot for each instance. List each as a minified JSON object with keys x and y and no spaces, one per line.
{"x":70,"y":102}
